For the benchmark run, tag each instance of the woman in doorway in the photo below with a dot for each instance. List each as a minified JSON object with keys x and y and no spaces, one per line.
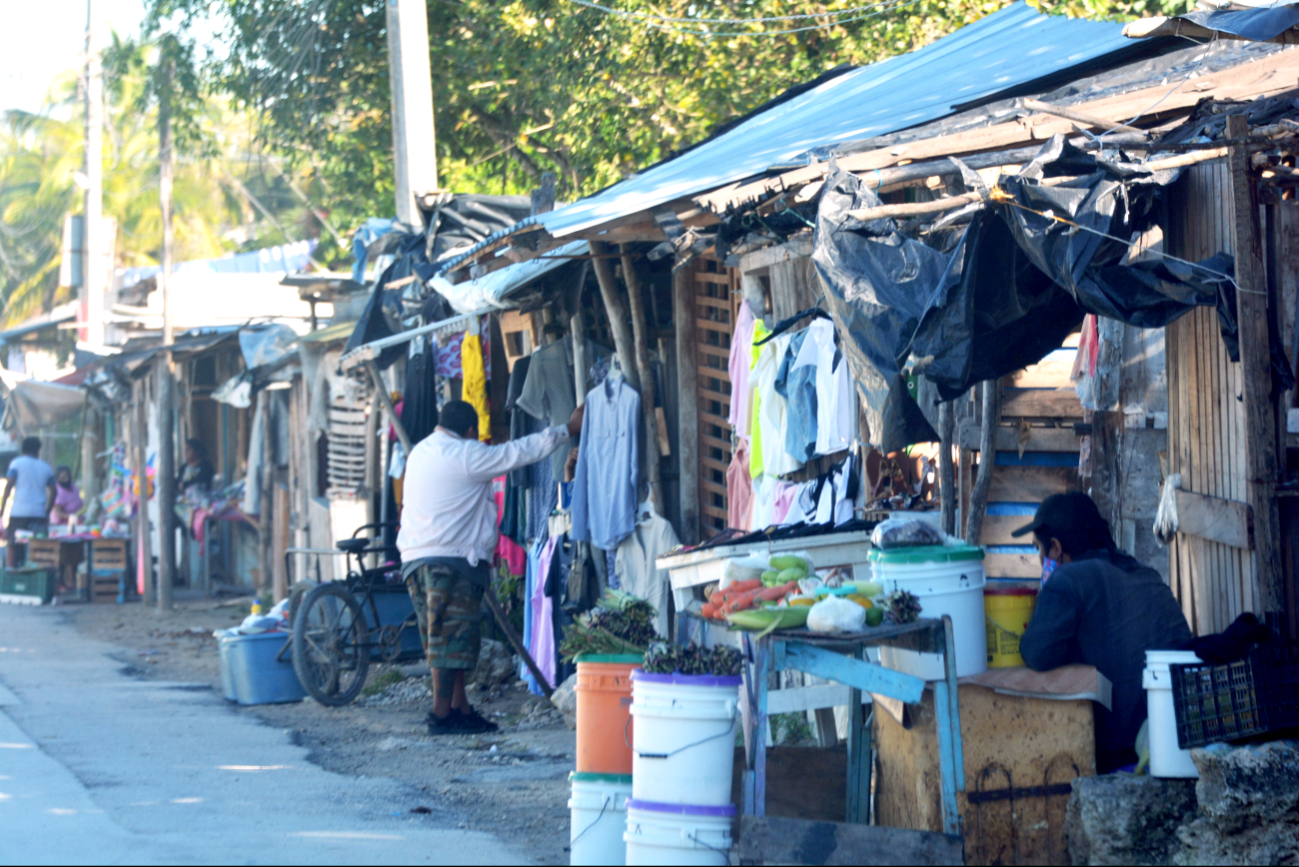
{"x":67,"y":496}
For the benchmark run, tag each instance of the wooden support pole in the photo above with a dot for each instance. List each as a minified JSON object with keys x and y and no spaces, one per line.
{"x":987,"y":460}
{"x":1261,"y":448}
{"x":683,"y":318}
{"x":144,"y":549}
{"x":386,"y":400}
{"x":267,"y":508}
{"x":166,"y":482}
{"x":513,"y":638}
{"x":946,"y":469}
{"x":639,"y":327}
{"x":1081,"y":117}
{"x":617,"y":312}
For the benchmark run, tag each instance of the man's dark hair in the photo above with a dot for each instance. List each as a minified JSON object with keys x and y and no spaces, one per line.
{"x":32,"y":446}
{"x":1074,"y":519}
{"x":198,"y":447}
{"x":458,"y":417}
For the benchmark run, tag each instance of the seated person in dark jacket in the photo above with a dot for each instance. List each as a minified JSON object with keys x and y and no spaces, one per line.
{"x":1099,"y":607}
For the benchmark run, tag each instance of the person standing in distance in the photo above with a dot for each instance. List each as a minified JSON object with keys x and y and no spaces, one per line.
{"x":447,"y":539}
{"x":31,"y":481}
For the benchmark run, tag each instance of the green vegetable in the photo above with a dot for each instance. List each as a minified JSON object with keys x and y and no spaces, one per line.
{"x":620,"y":623}
{"x":789,"y":561}
{"x":764,"y":620}
{"x":664,"y":658}
{"x":793,"y":573}
{"x":769,"y":578}
{"x":874,"y":616}
{"x":870,"y":589}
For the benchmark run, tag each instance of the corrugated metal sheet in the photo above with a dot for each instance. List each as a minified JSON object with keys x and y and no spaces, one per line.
{"x":1006,"y":50}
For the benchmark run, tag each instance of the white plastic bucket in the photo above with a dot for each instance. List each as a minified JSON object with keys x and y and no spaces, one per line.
{"x":599,"y":817}
{"x":946,"y":580}
{"x":678,"y":833}
{"x":683,"y":748}
{"x":1166,"y":758}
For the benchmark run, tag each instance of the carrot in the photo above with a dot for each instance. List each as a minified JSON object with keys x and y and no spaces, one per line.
{"x":772,"y":594}
{"x":744,"y":586}
{"x":717,"y":598}
{"x":709,"y":610}
{"x":741,"y":602}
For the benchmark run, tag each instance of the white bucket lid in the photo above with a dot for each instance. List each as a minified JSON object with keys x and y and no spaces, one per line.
{"x":1175,"y":657}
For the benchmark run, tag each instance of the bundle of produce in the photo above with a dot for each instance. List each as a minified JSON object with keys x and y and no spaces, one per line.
{"x":619,"y":623}
{"x":765,"y":620}
{"x":664,"y":658}
{"x":901,"y":607}
{"x":776,"y":584}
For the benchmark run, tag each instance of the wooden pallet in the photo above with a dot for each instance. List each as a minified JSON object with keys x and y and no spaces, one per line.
{"x":108,"y":554}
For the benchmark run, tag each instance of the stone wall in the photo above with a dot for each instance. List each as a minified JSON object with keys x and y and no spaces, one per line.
{"x":1244,"y":809}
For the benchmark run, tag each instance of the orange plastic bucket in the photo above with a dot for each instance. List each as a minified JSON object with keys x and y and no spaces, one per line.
{"x":604,"y":712}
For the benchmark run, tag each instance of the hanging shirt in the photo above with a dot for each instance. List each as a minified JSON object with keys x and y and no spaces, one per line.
{"x":549,"y":390}
{"x":739,"y":488}
{"x":448,"y":508}
{"x":474,"y":392}
{"x":773,"y":418}
{"x":836,"y":405}
{"x":755,"y":432}
{"x":786,"y":494}
{"x":542,"y":645}
{"x":764,"y":501}
{"x":738,"y":367}
{"x":608,"y":471}
{"x":637,"y":572}
{"x":796,"y":380}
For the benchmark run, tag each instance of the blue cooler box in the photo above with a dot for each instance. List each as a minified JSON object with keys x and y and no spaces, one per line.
{"x":250,"y":673}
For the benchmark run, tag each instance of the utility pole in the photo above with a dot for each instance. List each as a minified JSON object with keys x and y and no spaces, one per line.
{"x":166,"y":403}
{"x":413,"y":145}
{"x":94,"y":277}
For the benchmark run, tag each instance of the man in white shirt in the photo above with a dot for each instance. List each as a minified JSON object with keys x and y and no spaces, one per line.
{"x":31,"y":481}
{"x":447,"y":540}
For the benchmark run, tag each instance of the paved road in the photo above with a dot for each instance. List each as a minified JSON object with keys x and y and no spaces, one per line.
{"x":100,"y":767}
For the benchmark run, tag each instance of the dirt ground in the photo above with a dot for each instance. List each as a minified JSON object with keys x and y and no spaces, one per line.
{"x":512,"y":783}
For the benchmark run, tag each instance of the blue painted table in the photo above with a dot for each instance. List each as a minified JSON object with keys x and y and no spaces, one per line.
{"x":842,"y":658}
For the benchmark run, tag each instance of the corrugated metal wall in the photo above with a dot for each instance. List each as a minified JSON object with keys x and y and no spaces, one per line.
{"x":1206,"y":430}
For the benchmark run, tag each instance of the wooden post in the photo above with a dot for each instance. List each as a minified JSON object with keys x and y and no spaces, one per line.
{"x":613,"y":306}
{"x":1252,"y":315}
{"x":140,"y":456}
{"x":946,"y":470}
{"x":639,"y":325}
{"x":987,"y":460}
{"x":683,"y":318}
{"x":267,"y":507}
{"x":166,"y":483}
{"x":386,"y":399}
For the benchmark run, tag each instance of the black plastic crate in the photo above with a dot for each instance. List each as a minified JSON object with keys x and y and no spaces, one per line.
{"x":1216,"y":703}
{"x":1276,"y":668}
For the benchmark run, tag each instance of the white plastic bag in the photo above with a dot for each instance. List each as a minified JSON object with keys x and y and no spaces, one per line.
{"x":836,"y":614}
{"x":743,"y":569}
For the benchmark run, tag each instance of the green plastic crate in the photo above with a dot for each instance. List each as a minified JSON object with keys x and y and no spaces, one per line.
{"x":39,"y":583}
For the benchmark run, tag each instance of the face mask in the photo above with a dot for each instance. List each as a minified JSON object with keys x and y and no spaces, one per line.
{"x":1048,"y":567}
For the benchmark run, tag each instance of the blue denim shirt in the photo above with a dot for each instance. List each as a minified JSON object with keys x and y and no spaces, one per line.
{"x":798,"y":386}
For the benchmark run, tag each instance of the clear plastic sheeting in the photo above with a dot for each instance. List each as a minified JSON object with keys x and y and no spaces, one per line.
{"x":265,"y":344}
{"x":491,"y":291}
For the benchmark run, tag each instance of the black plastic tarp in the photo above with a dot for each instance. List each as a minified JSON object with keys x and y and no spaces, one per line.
{"x":1016,"y":283}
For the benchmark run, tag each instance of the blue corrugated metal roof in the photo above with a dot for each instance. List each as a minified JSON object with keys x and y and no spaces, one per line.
{"x":1005,"y":50}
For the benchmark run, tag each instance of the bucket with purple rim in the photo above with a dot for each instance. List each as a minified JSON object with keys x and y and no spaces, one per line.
{"x":663,"y":833}
{"x":683,"y":750}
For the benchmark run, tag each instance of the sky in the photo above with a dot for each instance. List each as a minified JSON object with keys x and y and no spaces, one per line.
{"x":42,"y":39}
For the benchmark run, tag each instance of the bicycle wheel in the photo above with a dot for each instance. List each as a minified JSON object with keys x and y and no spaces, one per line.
{"x":331,"y":649}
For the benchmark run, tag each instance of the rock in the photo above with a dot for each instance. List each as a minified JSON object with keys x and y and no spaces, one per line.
{"x":1249,"y":805}
{"x":495,"y":664}
{"x":564,"y":699}
{"x":1240,"y":787}
{"x":1125,"y":819}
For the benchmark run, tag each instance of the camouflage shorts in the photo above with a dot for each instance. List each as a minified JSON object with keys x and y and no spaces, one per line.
{"x":447,"y":605}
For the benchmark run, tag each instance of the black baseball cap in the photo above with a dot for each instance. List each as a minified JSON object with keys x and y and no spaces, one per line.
{"x":1061,"y":511}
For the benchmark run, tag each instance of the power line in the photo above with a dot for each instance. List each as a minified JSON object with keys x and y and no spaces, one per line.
{"x":630,"y":13}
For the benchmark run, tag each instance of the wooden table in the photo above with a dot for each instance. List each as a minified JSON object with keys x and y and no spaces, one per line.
{"x":102,"y":554}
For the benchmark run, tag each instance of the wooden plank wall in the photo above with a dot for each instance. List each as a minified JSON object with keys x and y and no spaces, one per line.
{"x":1206,"y":437}
{"x":716,"y":300}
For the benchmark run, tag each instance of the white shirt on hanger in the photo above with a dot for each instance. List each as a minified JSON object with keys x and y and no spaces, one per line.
{"x":773,"y":409}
